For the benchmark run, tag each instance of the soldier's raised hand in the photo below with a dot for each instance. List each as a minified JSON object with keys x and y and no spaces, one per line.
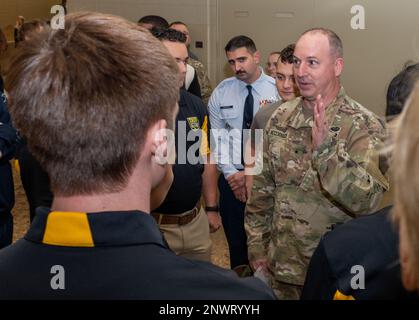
{"x":320,"y":126}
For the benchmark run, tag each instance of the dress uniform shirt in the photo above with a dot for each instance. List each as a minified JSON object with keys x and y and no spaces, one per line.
{"x":226,"y":108}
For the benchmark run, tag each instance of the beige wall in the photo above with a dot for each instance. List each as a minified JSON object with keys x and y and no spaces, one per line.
{"x":30,"y":9}
{"x":372,"y":56}
{"x":199,"y":15}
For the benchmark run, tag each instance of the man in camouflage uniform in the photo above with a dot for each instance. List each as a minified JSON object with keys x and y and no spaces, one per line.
{"x":201,"y":71}
{"x":204,"y":81}
{"x":320,"y":167}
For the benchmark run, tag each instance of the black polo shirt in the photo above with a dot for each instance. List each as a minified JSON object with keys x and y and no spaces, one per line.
{"x":370,"y":242}
{"x":110,"y":255}
{"x":186,"y":189}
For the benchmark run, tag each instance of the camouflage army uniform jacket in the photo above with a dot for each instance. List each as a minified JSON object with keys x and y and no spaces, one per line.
{"x":204,"y":82}
{"x":302,"y":194}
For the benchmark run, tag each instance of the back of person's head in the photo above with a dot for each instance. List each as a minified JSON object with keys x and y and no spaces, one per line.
{"x":154,"y":22}
{"x":174,"y":23}
{"x":406,"y":173}
{"x":29,"y":27}
{"x":287,"y":54}
{"x":86,"y":96}
{"x":182,"y":27}
{"x":171,"y":35}
{"x":3,"y":42}
{"x":275,"y":53}
{"x":240,"y":42}
{"x":20,"y":20}
{"x":399,"y":90}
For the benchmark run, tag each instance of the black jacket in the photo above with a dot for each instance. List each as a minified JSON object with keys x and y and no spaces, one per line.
{"x":8,"y":141}
{"x":110,"y":255}
{"x":8,"y":135}
{"x":369,"y":242}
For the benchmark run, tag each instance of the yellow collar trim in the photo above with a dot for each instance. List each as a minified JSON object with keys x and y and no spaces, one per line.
{"x":340,"y":296}
{"x":69,"y":229}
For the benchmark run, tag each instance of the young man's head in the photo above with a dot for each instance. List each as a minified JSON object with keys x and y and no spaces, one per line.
{"x":182,"y":27}
{"x":153,"y":22}
{"x":399,"y":89}
{"x":3,"y":42}
{"x":91,"y":99}
{"x":318,"y":63}
{"x":20,"y":20}
{"x":285,"y":82}
{"x":29,"y":27}
{"x":243,"y":58}
{"x":271,"y":63}
{"x":175,"y":41}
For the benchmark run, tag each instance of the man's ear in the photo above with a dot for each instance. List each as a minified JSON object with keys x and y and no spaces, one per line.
{"x":339,"y":64}
{"x":256,"y":57}
{"x":157,"y":139}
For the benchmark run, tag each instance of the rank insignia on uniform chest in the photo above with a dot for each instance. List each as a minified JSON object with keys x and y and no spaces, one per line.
{"x":193,"y":123}
{"x":278,"y":133}
{"x":266,"y":102}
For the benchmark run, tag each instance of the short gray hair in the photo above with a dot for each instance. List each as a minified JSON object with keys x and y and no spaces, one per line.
{"x":335,"y":42}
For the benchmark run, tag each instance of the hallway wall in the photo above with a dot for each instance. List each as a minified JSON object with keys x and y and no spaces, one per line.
{"x":372,"y":56}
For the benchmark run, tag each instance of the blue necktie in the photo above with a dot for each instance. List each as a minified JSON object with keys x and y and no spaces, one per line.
{"x":247,"y":115}
{"x":248,"y":109}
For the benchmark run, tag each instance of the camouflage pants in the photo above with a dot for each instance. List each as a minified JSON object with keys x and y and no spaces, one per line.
{"x":285,"y":291}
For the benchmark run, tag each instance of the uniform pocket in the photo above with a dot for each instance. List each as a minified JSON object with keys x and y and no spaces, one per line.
{"x":309,"y":179}
{"x":275,"y":146}
{"x":228,"y":112}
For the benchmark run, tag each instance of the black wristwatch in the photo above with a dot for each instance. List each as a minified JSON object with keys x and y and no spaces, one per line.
{"x":212,"y":209}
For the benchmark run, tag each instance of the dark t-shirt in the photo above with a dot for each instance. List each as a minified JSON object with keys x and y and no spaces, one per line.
{"x":186,"y":188}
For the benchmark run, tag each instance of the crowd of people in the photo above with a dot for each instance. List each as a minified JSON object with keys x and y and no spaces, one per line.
{"x":291,"y":166}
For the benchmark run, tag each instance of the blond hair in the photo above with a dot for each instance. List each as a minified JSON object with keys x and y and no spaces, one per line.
{"x":406,"y":173}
